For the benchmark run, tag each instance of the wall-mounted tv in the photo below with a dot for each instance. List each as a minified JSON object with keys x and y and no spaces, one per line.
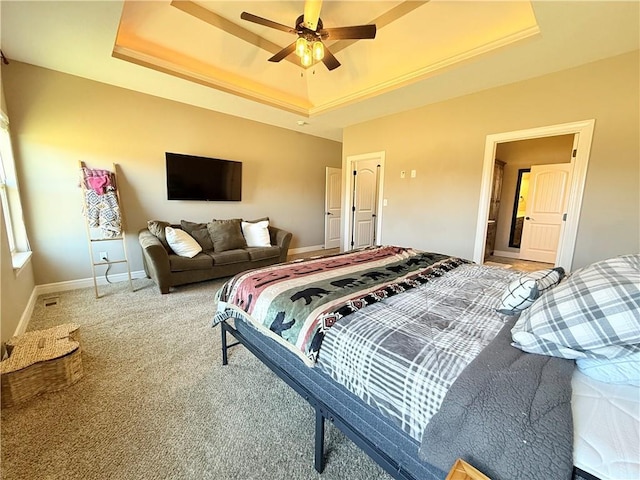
{"x":201,"y":178}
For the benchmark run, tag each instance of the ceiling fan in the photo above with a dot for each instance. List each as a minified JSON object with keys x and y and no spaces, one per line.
{"x":311,"y":33}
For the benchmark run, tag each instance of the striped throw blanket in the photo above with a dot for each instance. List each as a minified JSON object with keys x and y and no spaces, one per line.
{"x":297,"y":302}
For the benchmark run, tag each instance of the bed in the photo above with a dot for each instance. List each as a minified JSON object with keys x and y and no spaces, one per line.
{"x":410,"y":354}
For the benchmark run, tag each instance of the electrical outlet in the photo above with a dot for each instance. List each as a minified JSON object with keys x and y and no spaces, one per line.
{"x":103,"y":256}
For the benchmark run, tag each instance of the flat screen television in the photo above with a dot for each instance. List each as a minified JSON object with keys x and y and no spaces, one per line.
{"x":201,"y":178}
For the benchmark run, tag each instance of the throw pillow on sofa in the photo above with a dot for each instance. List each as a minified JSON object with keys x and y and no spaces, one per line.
{"x":182,"y":243}
{"x":256,"y":234}
{"x":157,"y":227}
{"x":226,"y":235}
{"x":199,"y":232}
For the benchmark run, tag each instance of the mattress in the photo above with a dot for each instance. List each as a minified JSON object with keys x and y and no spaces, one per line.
{"x":606,"y":419}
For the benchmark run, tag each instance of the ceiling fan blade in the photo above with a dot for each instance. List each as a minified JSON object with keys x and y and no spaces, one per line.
{"x":285,"y":52}
{"x":312,"y":13}
{"x":355,"y":32}
{"x":267,"y":23}
{"x":329,"y":60}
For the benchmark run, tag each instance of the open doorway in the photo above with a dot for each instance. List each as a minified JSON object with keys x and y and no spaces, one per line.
{"x":581,"y":133}
{"x":525,"y":214}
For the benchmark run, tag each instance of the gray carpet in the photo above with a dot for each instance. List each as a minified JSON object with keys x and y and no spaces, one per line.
{"x":155,"y":402}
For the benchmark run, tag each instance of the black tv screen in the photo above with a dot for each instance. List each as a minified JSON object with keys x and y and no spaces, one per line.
{"x":201,"y":178}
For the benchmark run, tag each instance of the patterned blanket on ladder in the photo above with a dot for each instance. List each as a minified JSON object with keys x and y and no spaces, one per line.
{"x":101,"y":201}
{"x":295,"y":303}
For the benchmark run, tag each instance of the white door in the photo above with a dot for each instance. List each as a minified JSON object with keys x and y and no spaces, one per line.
{"x":332,"y":207}
{"x":546,"y":205}
{"x":365,"y":203}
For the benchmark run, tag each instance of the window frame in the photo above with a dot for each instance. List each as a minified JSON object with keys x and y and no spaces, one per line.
{"x":10,"y":201}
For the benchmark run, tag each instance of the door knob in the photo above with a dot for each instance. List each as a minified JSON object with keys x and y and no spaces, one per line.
{"x":329,"y":213}
{"x":529,"y":218}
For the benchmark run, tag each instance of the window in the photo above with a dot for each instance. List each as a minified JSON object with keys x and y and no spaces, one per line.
{"x":10,"y":199}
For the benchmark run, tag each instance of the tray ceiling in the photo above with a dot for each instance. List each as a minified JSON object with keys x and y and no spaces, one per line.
{"x":202,"y":53}
{"x":207,"y":42}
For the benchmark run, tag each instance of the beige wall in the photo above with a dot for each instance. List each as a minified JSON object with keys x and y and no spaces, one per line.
{"x":59,"y":119}
{"x":445,"y":142}
{"x":16,"y":288}
{"x":523,"y":154}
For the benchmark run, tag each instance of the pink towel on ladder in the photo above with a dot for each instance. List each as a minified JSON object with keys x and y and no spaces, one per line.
{"x":99,"y":184}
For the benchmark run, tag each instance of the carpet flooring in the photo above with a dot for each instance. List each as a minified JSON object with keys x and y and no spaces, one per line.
{"x":155,"y":402}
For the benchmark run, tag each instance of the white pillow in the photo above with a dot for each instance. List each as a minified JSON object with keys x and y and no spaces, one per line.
{"x":256,"y":234}
{"x":624,"y":370}
{"x":182,"y":243}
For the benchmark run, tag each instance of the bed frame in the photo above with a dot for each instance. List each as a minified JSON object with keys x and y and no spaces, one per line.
{"x":323,"y":411}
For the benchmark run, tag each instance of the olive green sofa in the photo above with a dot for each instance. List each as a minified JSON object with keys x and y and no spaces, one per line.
{"x":168,"y":270}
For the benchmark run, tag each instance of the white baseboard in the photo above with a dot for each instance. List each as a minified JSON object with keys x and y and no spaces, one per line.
{"x":500,"y":253}
{"x":26,"y":315}
{"x":85,"y":282}
{"x":64,"y":286}
{"x":312,"y":248}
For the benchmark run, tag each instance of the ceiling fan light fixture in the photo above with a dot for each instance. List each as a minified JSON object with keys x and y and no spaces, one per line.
{"x":307,"y":57}
{"x":301,"y":45}
{"x":318,"y":50}
{"x":309,"y":46}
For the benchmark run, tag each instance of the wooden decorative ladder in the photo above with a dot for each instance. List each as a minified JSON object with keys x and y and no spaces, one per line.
{"x":92,"y":240}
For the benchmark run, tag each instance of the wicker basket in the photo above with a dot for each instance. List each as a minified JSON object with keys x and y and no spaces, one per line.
{"x":40,"y":361}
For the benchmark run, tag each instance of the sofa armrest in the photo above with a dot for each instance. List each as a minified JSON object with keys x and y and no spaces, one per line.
{"x":155,"y":259}
{"x":282,"y":239}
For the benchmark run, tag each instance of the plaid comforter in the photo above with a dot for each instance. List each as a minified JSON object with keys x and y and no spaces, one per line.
{"x":402,"y":355}
{"x":298,"y":302}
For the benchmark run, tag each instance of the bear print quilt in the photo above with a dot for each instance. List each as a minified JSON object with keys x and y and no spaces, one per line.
{"x":297,"y":302}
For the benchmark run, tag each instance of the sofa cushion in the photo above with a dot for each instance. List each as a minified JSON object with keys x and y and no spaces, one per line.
{"x":226,"y":235}
{"x":261,"y":253}
{"x":201,"y":261}
{"x":156,"y":227}
{"x":230,"y":256}
{"x":199,"y":232}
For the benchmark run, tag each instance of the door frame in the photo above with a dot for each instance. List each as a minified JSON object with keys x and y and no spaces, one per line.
{"x":347,"y":197}
{"x":566,"y":246}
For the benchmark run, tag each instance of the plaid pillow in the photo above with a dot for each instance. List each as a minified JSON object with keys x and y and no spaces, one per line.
{"x":521,"y":293}
{"x":595,"y":313}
